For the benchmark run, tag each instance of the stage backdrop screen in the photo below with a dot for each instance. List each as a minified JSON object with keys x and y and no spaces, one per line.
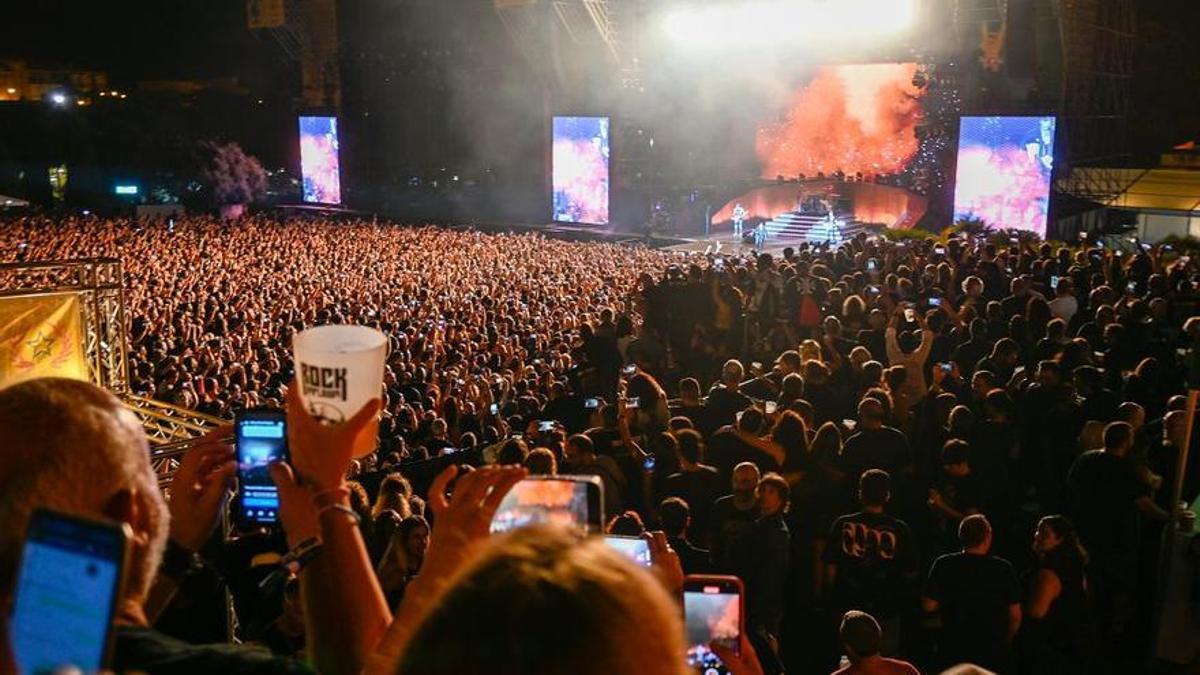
{"x":580,"y":170}
{"x":1004,"y":168}
{"x":319,"y":160}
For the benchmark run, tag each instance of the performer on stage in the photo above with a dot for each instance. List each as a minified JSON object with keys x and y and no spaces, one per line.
{"x":760,"y":236}
{"x":739,"y":215}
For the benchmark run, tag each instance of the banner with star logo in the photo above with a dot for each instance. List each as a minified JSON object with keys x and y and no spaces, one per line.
{"x":41,"y":336}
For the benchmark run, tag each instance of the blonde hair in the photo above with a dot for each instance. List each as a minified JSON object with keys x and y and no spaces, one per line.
{"x":540,"y":601}
{"x":71,"y":446}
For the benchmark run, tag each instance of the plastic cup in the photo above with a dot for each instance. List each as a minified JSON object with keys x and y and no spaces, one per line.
{"x":340,"y":369}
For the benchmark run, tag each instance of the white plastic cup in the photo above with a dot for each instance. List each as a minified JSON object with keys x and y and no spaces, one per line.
{"x":339,"y":369}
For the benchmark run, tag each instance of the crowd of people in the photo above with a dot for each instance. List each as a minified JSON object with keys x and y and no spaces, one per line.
{"x":910,"y":452}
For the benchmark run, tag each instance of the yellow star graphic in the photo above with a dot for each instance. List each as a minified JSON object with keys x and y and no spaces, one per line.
{"x":42,"y":346}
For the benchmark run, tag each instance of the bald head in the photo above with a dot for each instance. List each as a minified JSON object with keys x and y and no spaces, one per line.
{"x":71,"y":446}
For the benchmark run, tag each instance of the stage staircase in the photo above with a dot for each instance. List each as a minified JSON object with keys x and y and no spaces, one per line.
{"x":811,"y":227}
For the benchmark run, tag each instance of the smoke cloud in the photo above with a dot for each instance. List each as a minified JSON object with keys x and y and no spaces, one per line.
{"x":856,"y":118}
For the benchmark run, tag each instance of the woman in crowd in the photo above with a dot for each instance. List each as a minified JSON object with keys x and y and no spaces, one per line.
{"x":1057,"y":632}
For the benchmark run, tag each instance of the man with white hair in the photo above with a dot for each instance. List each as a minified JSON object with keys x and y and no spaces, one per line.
{"x":72,"y":447}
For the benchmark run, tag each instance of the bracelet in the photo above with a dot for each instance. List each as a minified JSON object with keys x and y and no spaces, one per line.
{"x":331,"y":496}
{"x":340,"y":508}
{"x":291,"y":564}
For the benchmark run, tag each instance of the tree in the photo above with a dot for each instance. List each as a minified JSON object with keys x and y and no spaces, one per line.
{"x":232,"y":176}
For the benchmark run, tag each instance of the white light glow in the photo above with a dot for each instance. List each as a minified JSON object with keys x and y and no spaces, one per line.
{"x":779,"y":21}
{"x":58,"y":99}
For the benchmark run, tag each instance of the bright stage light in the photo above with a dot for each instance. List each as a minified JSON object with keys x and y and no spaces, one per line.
{"x":803,"y":22}
{"x":58,"y":98}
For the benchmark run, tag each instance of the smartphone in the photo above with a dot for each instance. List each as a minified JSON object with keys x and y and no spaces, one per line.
{"x":67,"y":588}
{"x":756,"y":366}
{"x":591,"y":403}
{"x":770,"y":407}
{"x":574,"y":502}
{"x":1054,"y":283}
{"x":1131,"y":287}
{"x":1146,"y":247}
{"x":633,"y":402}
{"x":871,"y":265}
{"x":649,"y":463}
{"x":634,"y":548}
{"x":946,"y":367}
{"x":261,"y":437}
{"x":629,"y":369}
{"x":850,"y":424}
{"x":1014,"y":241}
{"x":713,"y":611}
{"x":873,"y":290}
{"x":494,"y":408}
{"x":910,"y":315}
{"x":546,"y":425}
{"x":935,"y":302}
{"x":939,"y":250}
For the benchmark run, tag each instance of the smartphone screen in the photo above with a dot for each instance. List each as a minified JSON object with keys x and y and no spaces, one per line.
{"x":494,"y":408}
{"x":633,"y":402}
{"x":712,"y":609}
{"x":570,"y":501}
{"x":591,"y":403}
{"x":935,"y":302}
{"x":1054,"y":283}
{"x":634,"y":548}
{"x":629,"y":369}
{"x":261,"y":440}
{"x":871,"y":265}
{"x":946,"y":367}
{"x":546,"y":425}
{"x":66,"y":592}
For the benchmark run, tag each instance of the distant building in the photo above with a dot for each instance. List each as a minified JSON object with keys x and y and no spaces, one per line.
{"x":21,"y":81}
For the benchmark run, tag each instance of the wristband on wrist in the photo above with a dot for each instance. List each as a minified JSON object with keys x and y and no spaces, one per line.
{"x":293,"y":562}
{"x":335,"y":495}
{"x":339,"y":508}
{"x":178,"y":562}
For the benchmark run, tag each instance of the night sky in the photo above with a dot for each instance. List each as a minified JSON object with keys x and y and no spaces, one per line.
{"x":138,"y":39}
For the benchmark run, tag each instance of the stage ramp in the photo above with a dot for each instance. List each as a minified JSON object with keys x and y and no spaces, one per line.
{"x":67,"y":318}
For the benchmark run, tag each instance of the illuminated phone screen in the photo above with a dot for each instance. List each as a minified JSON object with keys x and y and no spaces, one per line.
{"x":66,"y":592}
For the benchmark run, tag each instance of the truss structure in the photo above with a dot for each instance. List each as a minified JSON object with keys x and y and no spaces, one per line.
{"x":1098,"y":38}
{"x":99,"y":284}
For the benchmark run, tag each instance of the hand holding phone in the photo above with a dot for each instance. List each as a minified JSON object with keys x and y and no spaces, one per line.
{"x":575,"y":502}
{"x":713,"y":613}
{"x":261,"y":437}
{"x":68,"y":585}
{"x":634,"y":548}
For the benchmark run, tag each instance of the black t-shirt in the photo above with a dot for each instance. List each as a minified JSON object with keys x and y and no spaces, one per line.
{"x":874,"y":552}
{"x":884,"y":448}
{"x":1106,"y":487}
{"x":729,"y":526}
{"x":722,"y":408}
{"x":974,"y":593}
{"x":146,"y":650}
{"x":699,"y":489}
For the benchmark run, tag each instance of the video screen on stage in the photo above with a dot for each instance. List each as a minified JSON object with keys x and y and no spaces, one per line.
{"x":1004,"y":170}
{"x":580,"y":169}
{"x":319,"y":159}
{"x":852,"y":118}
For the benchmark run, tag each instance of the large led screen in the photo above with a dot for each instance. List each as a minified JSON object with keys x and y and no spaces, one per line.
{"x":854,"y":118}
{"x":1004,"y":167}
{"x":319,"y":159}
{"x":580,"y":169}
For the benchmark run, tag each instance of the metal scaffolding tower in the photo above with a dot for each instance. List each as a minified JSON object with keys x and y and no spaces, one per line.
{"x":1098,"y":38}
